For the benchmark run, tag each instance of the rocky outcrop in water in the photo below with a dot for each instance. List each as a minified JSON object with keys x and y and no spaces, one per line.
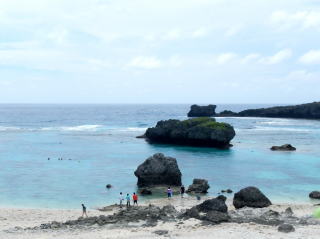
{"x":285,"y":147}
{"x":302,"y":111}
{"x":198,"y":186}
{"x":315,"y":195}
{"x":158,"y":170}
{"x":202,"y":111}
{"x":250,"y":197}
{"x":202,"y":131}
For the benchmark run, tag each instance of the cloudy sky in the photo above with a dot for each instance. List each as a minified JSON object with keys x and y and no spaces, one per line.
{"x":159,"y":51}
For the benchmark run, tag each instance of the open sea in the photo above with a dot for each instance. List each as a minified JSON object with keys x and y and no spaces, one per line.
{"x":100,"y":142}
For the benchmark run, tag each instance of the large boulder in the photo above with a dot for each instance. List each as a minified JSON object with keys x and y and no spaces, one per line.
{"x":285,"y":147}
{"x":198,"y":186}
{"x":214,"y":204}
{"x":203,"y":131}
{"x":158,"y":170}
{"x":315,"y":195}
{"x":250,"y":197}
{"x":202,"y":111}
{"x":286,"y":228}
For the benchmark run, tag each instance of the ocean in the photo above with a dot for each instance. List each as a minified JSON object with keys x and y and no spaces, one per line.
{"x":98,"y":146}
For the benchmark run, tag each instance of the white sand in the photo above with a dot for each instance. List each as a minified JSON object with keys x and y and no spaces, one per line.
{"x":10,"y":218}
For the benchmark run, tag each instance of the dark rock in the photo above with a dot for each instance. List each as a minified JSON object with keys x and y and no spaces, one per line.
{"x":198,"y":186}
{"x":161,"y":232}
{"x":286,"y":228}
{"x":158,"y":170}
{"x":145,"y":192}
{"x":285,"y":147}
{"x":203,"y":132}
{"x":202,"y":111}
{"x":250,"y":197}
{"x":303,"y":111}
{"x":108,"y":186}
{"x":315,"y":195}
{"x":215,"y":217}
{"x":227,"y":113}
{"x":288,"y":212}
{"x":192,"y":213}
{"x":222,"y":198}
{"x":213,"y":205}
{"x":227,"y":191}
{"x":141,"y":136}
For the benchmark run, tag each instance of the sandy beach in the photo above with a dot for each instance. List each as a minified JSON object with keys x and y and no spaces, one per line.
{"x":13,"y":220}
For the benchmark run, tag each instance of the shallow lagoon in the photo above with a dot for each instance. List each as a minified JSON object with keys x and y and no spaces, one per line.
{"x":100,"y":141}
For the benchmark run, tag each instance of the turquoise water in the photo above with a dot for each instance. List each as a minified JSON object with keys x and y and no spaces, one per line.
{"x":100,"y":141}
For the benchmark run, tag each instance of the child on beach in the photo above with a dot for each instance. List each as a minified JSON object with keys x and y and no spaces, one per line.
{"x":135,"y":199}
{"x":121,"y":199}
{"x":128,"y":200}
{"x":169,"y":192}
{"x":84,"y":210}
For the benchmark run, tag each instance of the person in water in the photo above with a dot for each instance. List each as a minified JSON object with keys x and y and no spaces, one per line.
{"x":121,"y":199}
{"x":182,"y":190}
{"x":135,"y":199}
{"x":169,"y":192}
{"x":84,"y":210}
{"x":128,"y":200}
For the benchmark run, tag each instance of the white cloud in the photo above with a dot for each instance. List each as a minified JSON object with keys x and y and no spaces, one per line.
{"x":233,"y":30}
{"x":172,"y":35}
{"x":311,"y":57}
{"x":300,"y":19}
{"x":145,"y":62}
{"x":278,"y":57}
{"x":225,"y":58}
{"x":253,"y":57}
{"x":175,"y":61}
{"x":200,"y":32}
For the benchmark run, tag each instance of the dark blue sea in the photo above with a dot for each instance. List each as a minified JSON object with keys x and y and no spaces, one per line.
{"x":100,"y":142}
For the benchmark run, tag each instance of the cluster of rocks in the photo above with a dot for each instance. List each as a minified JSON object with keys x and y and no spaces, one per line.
{"x":150,"y":214}
{"x":201,"y":132}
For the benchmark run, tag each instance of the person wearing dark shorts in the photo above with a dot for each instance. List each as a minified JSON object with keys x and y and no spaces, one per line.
{"x":135,"y":199}
{"x":182,"y":190}
{"x":169,"y":192}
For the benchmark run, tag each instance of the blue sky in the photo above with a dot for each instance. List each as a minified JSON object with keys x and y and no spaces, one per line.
{"x":168,"y":51}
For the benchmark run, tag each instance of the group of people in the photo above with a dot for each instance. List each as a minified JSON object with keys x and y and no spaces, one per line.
{"x":170,"y":192}
{"x":133,"y":198}
{"x":128,"y":199}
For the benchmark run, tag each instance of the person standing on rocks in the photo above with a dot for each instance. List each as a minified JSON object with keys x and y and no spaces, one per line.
{"x":182,"y":190}
{"x":121,"y":199}
{"x":128,"y":200}
{"x":169,"y":192}
{"x":135,"y":199}
{"x":84,"y":210}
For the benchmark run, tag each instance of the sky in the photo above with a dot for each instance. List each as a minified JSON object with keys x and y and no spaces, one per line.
{"x":159,"y":51}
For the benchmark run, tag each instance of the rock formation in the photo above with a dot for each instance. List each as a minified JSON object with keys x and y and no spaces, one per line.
{"x":158,"y":170}
{"x":315,"y":195}
{"x":198,"y":186}
{"x":202,"y":111}
{"x":285,"y":147}
{"x":250,"y":197}
{"x":302,"y":111}
{"x":201,"y":131}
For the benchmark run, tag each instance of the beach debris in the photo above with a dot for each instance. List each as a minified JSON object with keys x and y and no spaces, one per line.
{"x":250,"y":197}
{"x":158,"y":170}
{"x":286,"y":228}
{"x":198,"y":186}
{"x":315,"y":195}
{"x":161,"y":232}
{"x":285,"y":147}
